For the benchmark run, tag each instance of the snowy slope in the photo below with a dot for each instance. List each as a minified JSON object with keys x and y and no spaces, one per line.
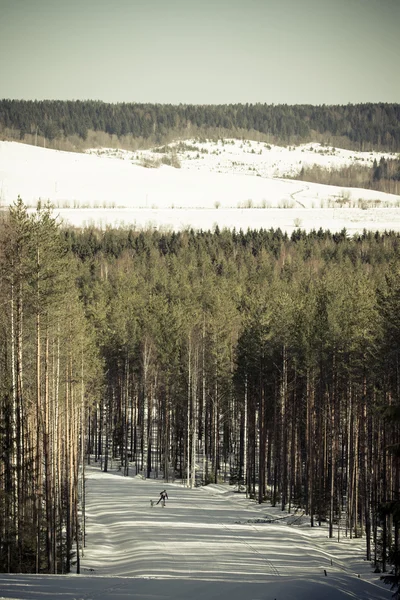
{"x":249,"y":157}
{"x":206,"y":543}
{"x":232,"y":184}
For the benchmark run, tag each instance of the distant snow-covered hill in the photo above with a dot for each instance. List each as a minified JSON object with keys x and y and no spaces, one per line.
{"x":229,"y":183}
{"x":248,"y":157}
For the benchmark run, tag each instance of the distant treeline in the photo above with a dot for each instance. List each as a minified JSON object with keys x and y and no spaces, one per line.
{"x":362,"y":126}
{"x":91,"y":243}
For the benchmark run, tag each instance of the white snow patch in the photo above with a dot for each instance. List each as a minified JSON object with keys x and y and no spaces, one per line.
{"x":217,"y":185}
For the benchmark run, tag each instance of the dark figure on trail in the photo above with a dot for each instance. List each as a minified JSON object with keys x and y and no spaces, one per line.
{"x":163,"y":497}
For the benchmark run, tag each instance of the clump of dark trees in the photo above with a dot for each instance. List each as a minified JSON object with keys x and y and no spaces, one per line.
{"x":359,"y":126}
{"x":267,"y":361}
{"x":383,"y":176}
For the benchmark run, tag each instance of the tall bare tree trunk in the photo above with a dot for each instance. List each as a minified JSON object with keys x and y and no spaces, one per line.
{"x":194,"y":418}
{"x":189,"y":411}
{"x":310,"y":446}
{"x":245,"y":436}
{"x":284,"y":431}
{"x":39,"y":425}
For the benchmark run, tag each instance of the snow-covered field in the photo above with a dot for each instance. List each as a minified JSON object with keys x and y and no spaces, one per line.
{"x":207,"y":543}
{"x":230,"y":183}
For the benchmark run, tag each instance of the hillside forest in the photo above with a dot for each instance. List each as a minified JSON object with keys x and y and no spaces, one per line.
{"x":265,"y":361}
{"x":75,"y":124}
{"x":80,"y":125}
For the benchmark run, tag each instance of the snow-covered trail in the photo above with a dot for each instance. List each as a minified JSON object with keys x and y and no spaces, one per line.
{"x":206,"y":543}
{"x":194,"y":536}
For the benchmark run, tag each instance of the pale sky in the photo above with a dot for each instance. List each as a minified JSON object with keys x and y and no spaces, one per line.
{"x":201,"y":51}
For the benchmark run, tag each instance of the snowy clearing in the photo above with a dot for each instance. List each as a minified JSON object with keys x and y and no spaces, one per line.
{"x":206,"y":543}
{"x":249,"y":157}
{"x":229,"y":183}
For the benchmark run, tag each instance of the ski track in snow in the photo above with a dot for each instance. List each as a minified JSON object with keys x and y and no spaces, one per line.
{"x":205,"y":544}
{"x":305,"y":188}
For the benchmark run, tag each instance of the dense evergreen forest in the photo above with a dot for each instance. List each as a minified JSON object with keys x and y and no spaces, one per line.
{"x":361,"y":126}
{"x":267,"y":361}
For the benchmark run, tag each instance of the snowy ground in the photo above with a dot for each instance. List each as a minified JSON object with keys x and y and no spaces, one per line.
{"x":233,"y":183}
{"x":249,"y":157}
{"x":207,"y":543}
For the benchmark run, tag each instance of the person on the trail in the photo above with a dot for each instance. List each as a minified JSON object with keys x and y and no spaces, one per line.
{"x":163,"y":497}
